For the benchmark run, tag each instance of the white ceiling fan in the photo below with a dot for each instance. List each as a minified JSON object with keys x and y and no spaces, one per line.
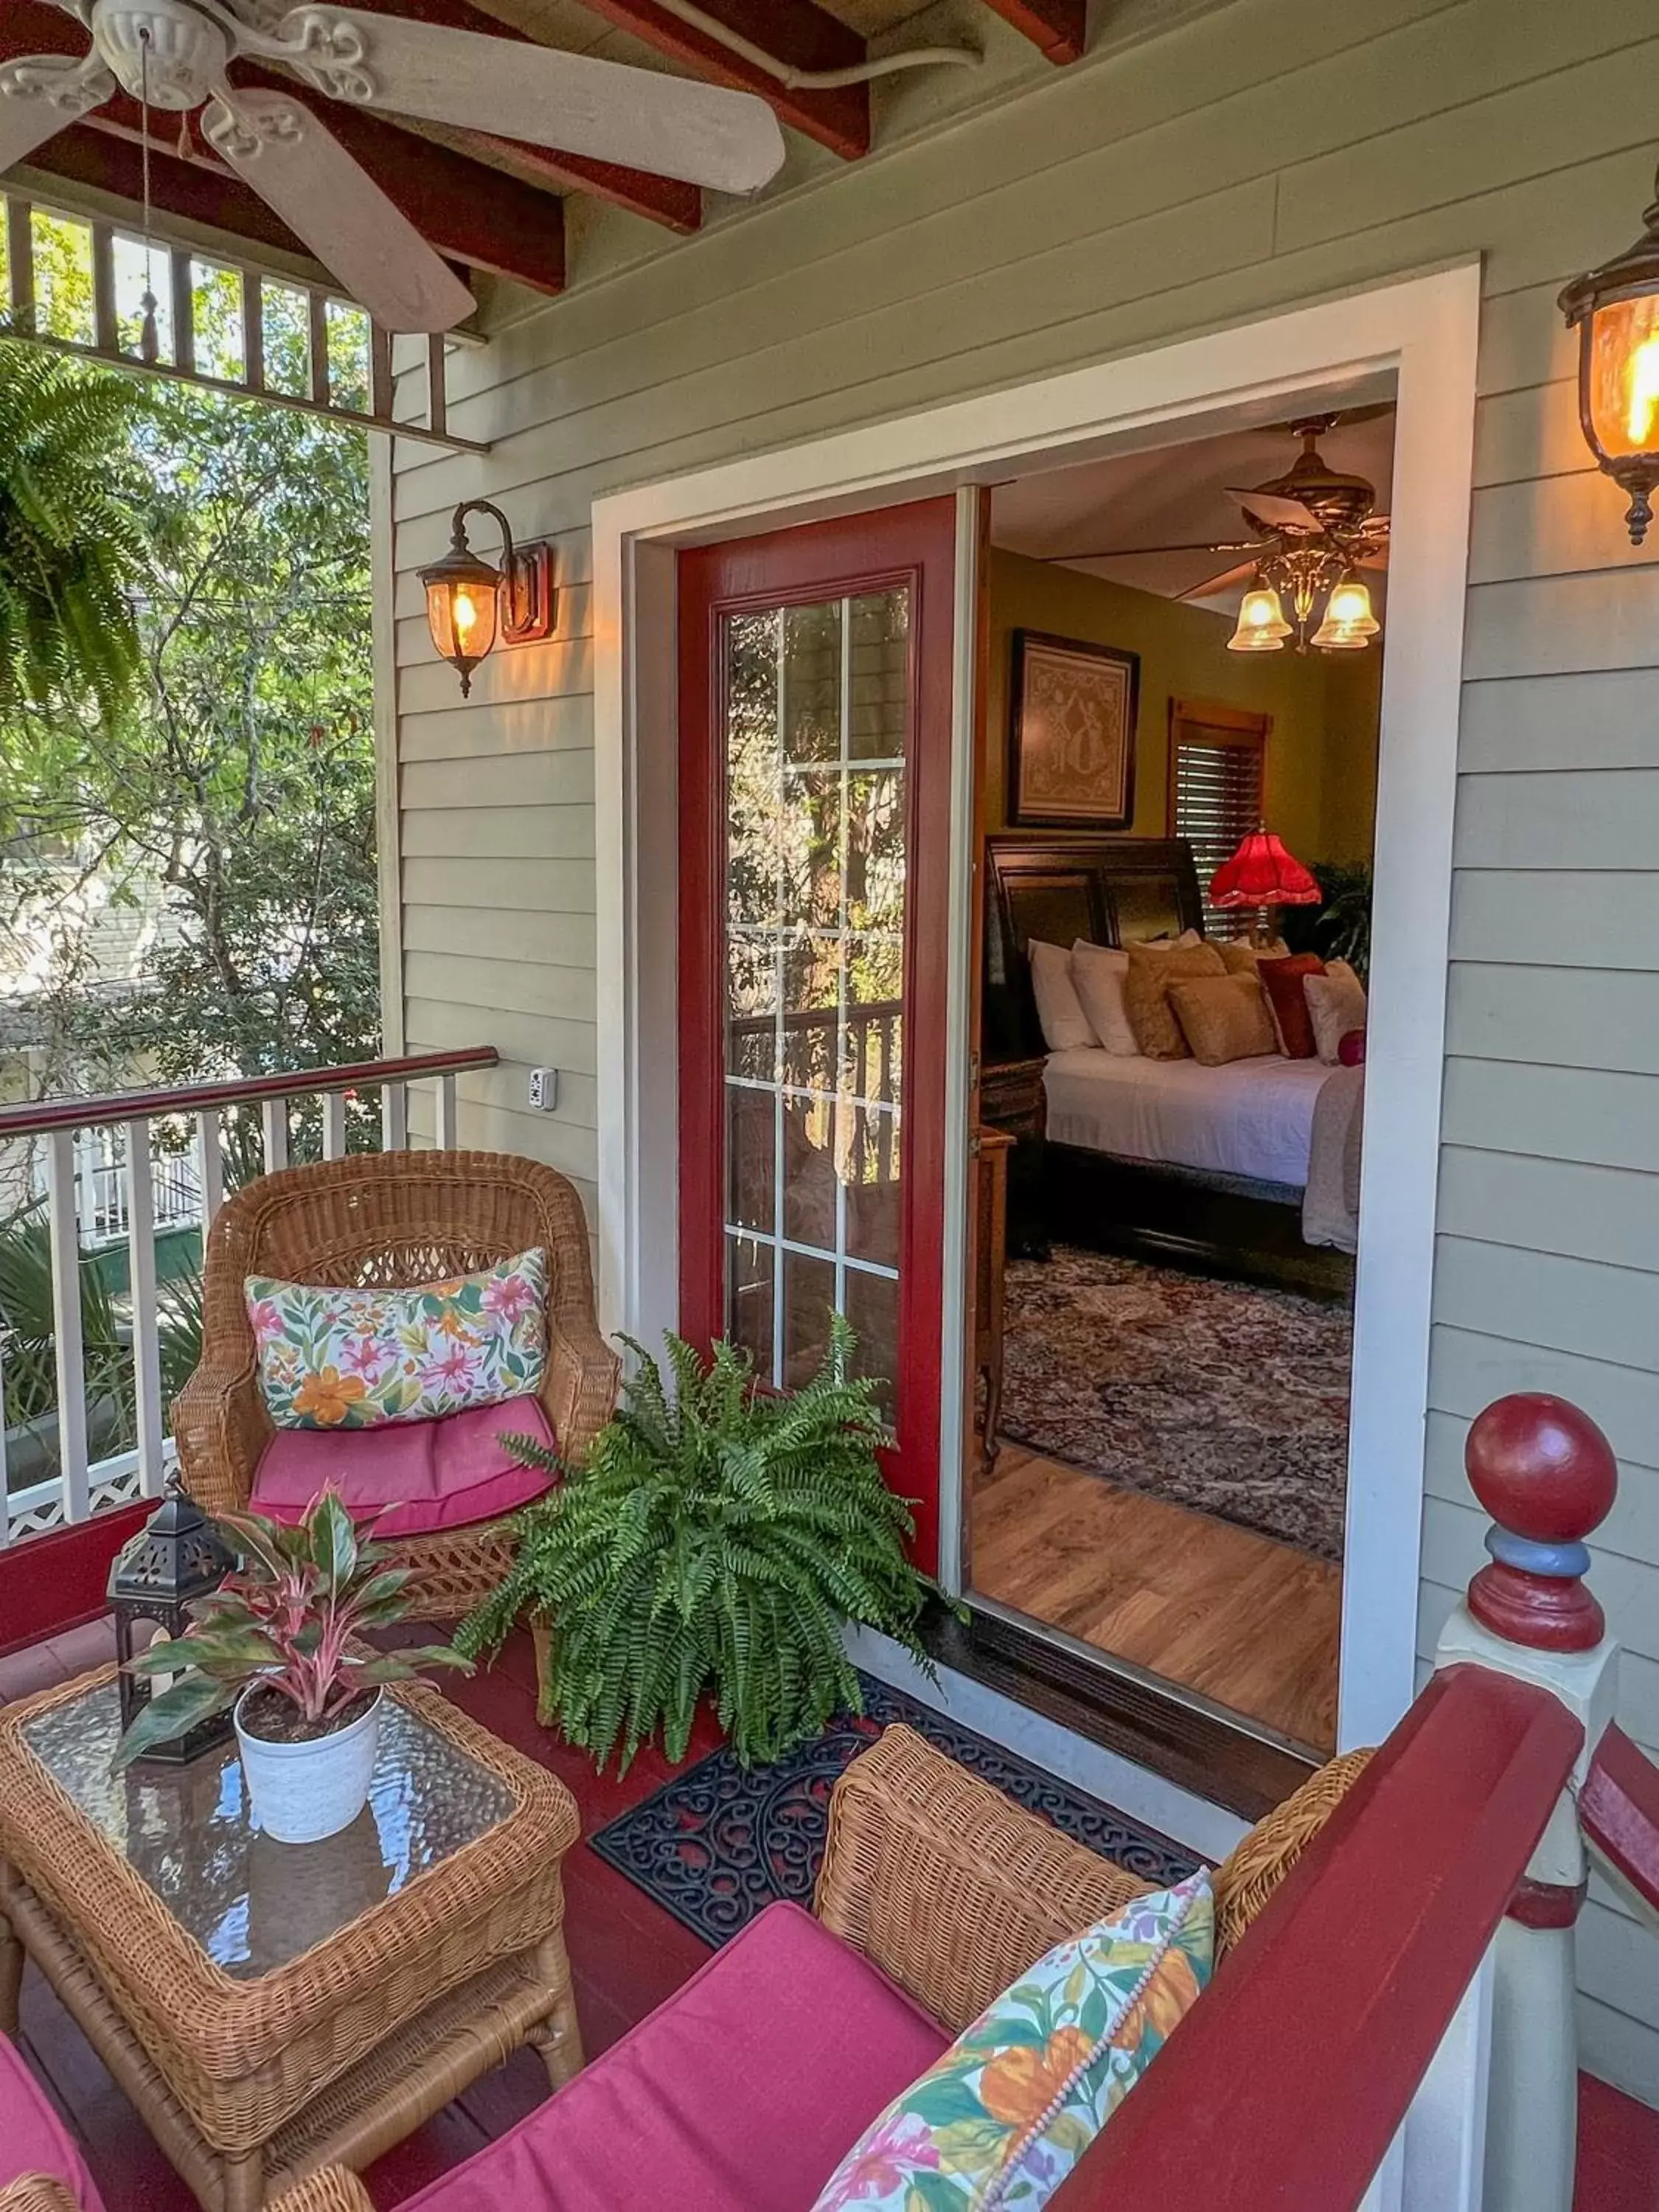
{"x":176,"y":53}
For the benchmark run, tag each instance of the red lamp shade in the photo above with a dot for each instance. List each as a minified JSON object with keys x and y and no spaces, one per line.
{"x":1262,"y":874}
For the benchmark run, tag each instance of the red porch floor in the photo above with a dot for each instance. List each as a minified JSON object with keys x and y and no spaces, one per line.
{"x":626,"y":1954}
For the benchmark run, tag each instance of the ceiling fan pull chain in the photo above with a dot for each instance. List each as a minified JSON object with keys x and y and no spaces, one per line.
{"x":149,"y":340}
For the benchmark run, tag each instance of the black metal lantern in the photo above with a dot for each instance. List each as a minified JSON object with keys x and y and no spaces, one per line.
{"x":177,"y":1557}
{"x":1615,"y":311}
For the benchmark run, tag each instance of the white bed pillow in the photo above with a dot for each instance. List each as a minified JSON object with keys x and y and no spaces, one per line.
{"x":1099,"y":972}
{"x":1336,"y":1005}
{"x":1060,"y":1011}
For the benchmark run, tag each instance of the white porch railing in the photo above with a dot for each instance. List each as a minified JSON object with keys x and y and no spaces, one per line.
{"x":103,"y":1176}
{"x":103,"y":1201}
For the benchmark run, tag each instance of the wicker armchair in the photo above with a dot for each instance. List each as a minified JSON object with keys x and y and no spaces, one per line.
{"x":397,"y":1219}
{"x":953,"y":1890}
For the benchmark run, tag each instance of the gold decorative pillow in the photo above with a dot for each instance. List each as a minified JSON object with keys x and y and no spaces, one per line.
{"x":1241,"y":956}
{"x":1146,"y":993}
{"x":1223,"y":1017}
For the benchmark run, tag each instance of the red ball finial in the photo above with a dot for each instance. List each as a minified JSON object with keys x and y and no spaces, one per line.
{"x":1541,"y":1467}
{"x":1547,"y":1475}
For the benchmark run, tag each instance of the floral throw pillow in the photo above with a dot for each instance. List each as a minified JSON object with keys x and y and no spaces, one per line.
{"x":1003,"y":2117}
{"x":352,"y":1358}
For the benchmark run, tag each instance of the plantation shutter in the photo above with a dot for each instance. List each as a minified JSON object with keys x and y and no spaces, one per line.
{"x":1216,"y":792}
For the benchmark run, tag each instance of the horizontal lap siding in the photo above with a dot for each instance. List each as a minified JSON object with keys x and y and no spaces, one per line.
{"x":1140,"y":195}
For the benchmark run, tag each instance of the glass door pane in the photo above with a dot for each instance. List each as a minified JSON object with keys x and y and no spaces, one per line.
{"x":815,"y":746}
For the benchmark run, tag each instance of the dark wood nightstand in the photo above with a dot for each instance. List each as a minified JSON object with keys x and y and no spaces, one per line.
{"x":1011,"y":1098}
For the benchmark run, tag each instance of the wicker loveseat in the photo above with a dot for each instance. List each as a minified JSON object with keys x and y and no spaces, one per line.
{"x":749,"y":2084}
{"x":399,"y":1219}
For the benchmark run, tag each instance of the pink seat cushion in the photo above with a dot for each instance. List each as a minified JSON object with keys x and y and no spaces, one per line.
{"x":32,"y":2139}
{"x":431,"y":1474}
{"x":739,"y":2094}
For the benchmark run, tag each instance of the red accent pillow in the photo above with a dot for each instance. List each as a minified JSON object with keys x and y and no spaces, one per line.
{"x":1351,"y":1049}
{"x":1282,"y":981}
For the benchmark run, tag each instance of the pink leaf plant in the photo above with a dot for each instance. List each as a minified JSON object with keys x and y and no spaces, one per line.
{"x":287,"y":1618}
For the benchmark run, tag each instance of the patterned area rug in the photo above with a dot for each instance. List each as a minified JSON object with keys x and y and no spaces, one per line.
{"x":719,"y":1843}
{"x":1229,"y":1398}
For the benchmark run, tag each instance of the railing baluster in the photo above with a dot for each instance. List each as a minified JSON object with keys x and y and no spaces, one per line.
{"x":67,"y":1340}
{"x":394,"y":1117}
{"x":210,"y":1168}
{"x":334,"y":1125}
{"x":273,"y":1120}
{"x":446,"y":1114}
{"x":20,"y":259}
{"x":6,"y":1479}
{"x":146,"y":1316}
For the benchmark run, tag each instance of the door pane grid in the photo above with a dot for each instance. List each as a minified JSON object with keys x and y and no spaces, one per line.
{"x":814,"y":902}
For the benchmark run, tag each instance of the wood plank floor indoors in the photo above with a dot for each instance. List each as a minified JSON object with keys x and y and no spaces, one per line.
{"x":1247,"y":1622}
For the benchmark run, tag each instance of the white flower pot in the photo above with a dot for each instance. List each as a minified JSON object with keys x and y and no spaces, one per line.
{"x":300,"y":1792}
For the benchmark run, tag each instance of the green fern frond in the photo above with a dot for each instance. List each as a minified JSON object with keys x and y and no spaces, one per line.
{"x":714,"y":1545}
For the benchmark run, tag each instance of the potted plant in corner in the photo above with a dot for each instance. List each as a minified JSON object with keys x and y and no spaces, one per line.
{"x":716,"y":1541}
{"x":275,"y":1642}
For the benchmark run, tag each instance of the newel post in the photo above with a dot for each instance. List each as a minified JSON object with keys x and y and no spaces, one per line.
{"x":1546,"y":1474}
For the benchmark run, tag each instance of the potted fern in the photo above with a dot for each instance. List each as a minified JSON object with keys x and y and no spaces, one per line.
{"x":275,"y":1642}
{"x":715,"y":1541}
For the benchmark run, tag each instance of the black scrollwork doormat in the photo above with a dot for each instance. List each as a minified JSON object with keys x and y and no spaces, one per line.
{"x":720,"y":1843}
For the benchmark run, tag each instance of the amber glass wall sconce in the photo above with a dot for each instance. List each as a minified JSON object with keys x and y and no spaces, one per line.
{"x":471,"y":605}
{"x":1615,"y":311}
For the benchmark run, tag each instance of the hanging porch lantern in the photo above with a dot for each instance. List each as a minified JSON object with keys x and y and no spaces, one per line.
{"x":1615,"y":311}
{"x":176,"y":1558}
{"x":470,"y":602}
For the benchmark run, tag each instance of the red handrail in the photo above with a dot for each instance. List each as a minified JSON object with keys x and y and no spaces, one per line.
{"x":34,"y":1119}
{"x":1288,"y":2079}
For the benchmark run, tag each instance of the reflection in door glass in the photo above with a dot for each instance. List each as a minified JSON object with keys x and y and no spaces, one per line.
{"x":816,"y":701}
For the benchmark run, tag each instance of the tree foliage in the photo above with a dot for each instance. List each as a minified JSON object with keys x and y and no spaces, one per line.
{"x":231,"y":780}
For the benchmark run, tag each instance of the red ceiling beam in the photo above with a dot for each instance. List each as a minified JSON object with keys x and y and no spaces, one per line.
{"x":1059,"y":28}
{"x":802,"y":35}
{"x":471,"y":213}
{"x":108,"y":164}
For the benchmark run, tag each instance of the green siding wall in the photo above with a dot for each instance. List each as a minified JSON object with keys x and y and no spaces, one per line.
{"x":1260,"y":155}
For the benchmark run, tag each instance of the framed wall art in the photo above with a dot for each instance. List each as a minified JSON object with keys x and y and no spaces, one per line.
{"x":1072,"y":734}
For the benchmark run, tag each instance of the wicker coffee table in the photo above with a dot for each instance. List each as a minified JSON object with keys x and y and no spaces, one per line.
{"x":269,"y":2008}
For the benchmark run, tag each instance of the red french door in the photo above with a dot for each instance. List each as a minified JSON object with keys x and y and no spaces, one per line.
{"x":815,"y":669}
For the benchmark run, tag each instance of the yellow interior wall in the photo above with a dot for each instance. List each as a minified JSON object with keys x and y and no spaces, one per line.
{"x":1322,"y":752}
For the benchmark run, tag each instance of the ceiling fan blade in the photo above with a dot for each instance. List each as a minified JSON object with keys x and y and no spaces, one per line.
{"x":1224,"y":581}
{"x":700,"y":133}
{"x":1275,"y":510}
{"x":325,"y":198}
{"x":41,"y":94}
{"x":1135,"y":552}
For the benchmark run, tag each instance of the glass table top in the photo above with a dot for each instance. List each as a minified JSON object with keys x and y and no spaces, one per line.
{"x":253,"y":1904}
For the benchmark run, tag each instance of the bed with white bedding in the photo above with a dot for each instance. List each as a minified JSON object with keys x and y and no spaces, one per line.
{"x":1166,"y":1159}
{"x":1251,"y":1118}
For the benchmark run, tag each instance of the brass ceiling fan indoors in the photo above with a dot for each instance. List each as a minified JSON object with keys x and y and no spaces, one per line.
{"x":174,"y":54}
{"x":1316,"y":528}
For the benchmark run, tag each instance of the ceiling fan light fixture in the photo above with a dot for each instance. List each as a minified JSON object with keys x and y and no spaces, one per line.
{"x":1615,"y":311}
{"x":470,"y":603}
{"x":1261,"y":624}
{"x":1349,"y":625}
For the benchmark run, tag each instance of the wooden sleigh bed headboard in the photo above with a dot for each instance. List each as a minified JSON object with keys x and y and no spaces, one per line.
{"x":1112,"y":891}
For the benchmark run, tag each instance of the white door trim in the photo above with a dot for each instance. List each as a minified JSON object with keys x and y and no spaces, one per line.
{"x":1419,"y":335}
